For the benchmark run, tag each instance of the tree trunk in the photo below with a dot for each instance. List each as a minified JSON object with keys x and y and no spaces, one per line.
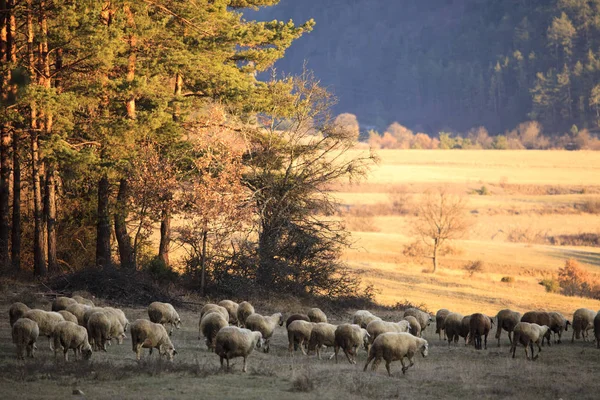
{"x":203,"y":264}
{"x":16,"y":212}
{"x":103,"y":256}
{"x":131,"y":59}
{"x":123,"y":238}
{"x":265,"y":274}
{"x":165,"y":236}
{"x":39,"y":259}
{"x":435,"y":255}
{"x":5,"y":160}
{"x":50,"y":211}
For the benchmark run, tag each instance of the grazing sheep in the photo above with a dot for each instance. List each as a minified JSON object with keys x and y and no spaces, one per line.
{"x":537,"y":317}
{"x":24,"y":335}
{"x":583,"y":321}
{"x":210,"y":325}
{"x":507,"y":320}
{"x":349,"y":337}
{"x":316,"y":315}
{"x":210,"y":307}
{"x":265,"y":325}
{"x":465,"y":329}
{"x":558,"y":324}
{"x":452,"y":324}
{"x":150,"y":335}
{"x":120,"y":316}
{"x":88,"y":313}
{"x":69,"y":335}
{"x":46,"y":320}
{"x":322,"y":334}
{"x":245,"y":309}
{"x":164,"y":313}
{"x":296,"y":317}
{"x":597,"y":329}
{"x":232,"y":342}
{"x":363,"y":317}
{"x":61,"y":303}
{"x":396,"y":346}
{"x":298,"y":335}
{"x":98,"y":327}
{"x":479,"y":325}
{"x":440,"y":318}
{"x":377,"y":327}
{"x":415,"y":326}
{"x":232,"y":308}
{"x":527,"y":334}
{"x":424,"y":318}
{"x":16,"y":311}
{"x":78,"y":310}
{"x":68,"y":316}
{"x":83,"y":300}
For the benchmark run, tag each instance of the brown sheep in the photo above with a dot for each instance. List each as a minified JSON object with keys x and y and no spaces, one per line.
{"x":507,"y":320}
{"x":558,"y":324}
{"x":479,"y":325}
{"x":349,"y":337}
{"x":440,"y":318}
{"x":453,"y":324}
{"x":16,"y":311}
{"x":296,"y":317}
{"x":583,"y":320}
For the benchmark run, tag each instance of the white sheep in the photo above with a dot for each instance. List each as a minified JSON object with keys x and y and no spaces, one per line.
{"x":377,"y":327}
{"x":440,"y":318}
{"x":415,"y":326}
{"x":322,"y":334}
{"x":120,"y":315}
{"x":164,"y":313}
{"x":363,"y":317}
{"x":68,"y":316}
{"x":78,"y":310}
{"x":316,"y":315}
{"x":83,"y":300}
{"x":507,"y":319}
{"x":150,"y":335}
{"x":210,"y":325}
{"x":232,"y":342}
{"x":61,"y":303}
{"x":88,"y":313}
{"x":349,"y":337}
{"x":583,"y":321}
{"x":24,"y":335}
{"x":46,"y":320}
{"x":298,"y":335}
{"x":527,"y":334}
{"x":424,"y":318}
{"x":210,"y":307}
{"x":98,"y":327}
{"x":232,"y":309}
{"x":16,"y":311}
{"x":265,"y":325}
{"x":69,"y":335}
{"x":393,"y":346}
{"x":245,"y":309}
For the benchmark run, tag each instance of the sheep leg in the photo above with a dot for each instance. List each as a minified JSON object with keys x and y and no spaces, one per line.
{"x":318,"y":351}
{"x":65,"y":352}
{"x":498,"y":333}
{"x":513,"y":348}
{"x":387,"y":366}
{"x":221,"y":357}
{"x":369,"y":359}
{"x":50,"y":343}
{"x":244,"y":367}
{"x":485,"y":342}
{"x":227,"y":358}
{"x":533,"y":358}
{"x":510,"y":337}
{"x":347,"y":352}
{"x":138,"y":351}
{"x":336,"y":349}
{"x":302,"y":348}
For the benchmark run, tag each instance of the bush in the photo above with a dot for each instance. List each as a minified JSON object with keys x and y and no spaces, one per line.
{"x":576,"y":281}
{"x":550,"y":284}
{"x":473,"y":267}
{"x":507,"y":279}
{"x":159,"y":271}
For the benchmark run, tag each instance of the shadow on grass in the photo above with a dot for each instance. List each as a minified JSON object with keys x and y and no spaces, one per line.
{"x":582,"y":256}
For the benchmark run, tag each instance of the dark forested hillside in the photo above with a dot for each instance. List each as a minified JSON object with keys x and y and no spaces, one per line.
{"x":453,"y":64}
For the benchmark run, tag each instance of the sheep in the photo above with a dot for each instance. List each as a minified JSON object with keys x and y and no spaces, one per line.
{"x":363,"y":317}
{"x":210,"y":325}
{"x":453,"y":325}
{"x":265,"y":325}
{"x":69,"y":335}
{"x":479,"y":325}
{"x":78,"y":310}
{"x":316,"y":315}
{"x":299,"y":332}
{"x":465,"y":328}
{"x":232,"y":308}
{"x":120,"y":316}
{"x":83,"y":300}
{"x":322,"y":334}
{"x":88,"y":313}
{"x":377,"y":327}
{"x":583,"y":320}
{"x":424,"y":318}
{"x":24,"y":335}
{"x":440,"y":317}
{"x":16,"y":311}
{"x":46,"y":321}
{"x":164,"y":313}
{"x":415,"y":327}
{"x":232,"y":342}
{"x":506,"y":319}
{"x":527,"y":334}
{"x":150,"y":335}
{"x":558,"y":324}
{"x":349,"y":337}
{"x":296,"y":317}
{"x":537,"y":317}
{"x":245,"y":309}
{"x":61,"y":303}
{"x":597,"y":329}
{"x":396,"y":346}
{"x":210,"y":307}
{"x":68,"y":316}
{"x":103,"y":326}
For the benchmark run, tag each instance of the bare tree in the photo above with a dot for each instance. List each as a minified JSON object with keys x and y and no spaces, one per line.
{"x":441,"y":217}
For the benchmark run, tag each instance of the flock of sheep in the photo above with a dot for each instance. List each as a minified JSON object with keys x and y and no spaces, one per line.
{"x":234,"y":330}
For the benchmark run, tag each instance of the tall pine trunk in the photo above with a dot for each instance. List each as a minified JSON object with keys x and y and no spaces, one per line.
{"x":103,"y":254}
{"x":123,"y":238}
{"x":6,"y":162}
{"x":16,"y":212}
{"x":39,"y":255}
{"x":203,"y":264}
{"x":50,"y":211}
{"x":165,"y":236}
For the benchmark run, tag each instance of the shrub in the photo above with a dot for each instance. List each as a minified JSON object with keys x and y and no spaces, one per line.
{"x":576,"y":281}
{"x":415,"y":249}
{"x":591,"y":206}
{"x":550,"y":284}
{"x":507,"y":279}
{"x":473,"y":267}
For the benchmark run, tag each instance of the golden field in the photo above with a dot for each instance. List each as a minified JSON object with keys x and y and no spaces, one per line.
{"x":515,"y":200}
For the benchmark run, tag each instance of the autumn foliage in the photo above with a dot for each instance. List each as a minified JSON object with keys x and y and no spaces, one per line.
{"x":576,"y":281}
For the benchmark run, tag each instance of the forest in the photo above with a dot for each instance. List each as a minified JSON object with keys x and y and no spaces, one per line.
{"x":453,"y":65}
{"x":119,"y":117}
